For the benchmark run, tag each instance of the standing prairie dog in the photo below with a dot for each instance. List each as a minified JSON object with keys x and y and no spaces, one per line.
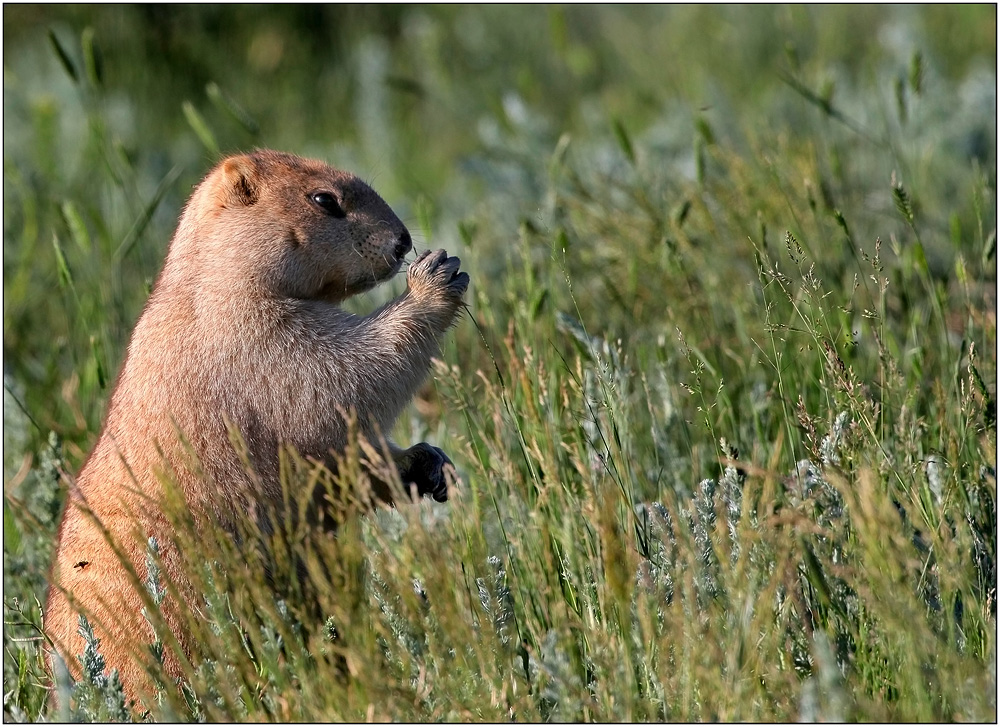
{"x":243,"y":332}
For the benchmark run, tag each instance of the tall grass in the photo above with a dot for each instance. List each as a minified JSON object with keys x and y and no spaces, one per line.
{"x":723,"y":408}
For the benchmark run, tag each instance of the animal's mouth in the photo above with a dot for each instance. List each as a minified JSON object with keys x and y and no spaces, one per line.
{"x":334,"y":292}
{"x":389,"y":272}
{"x":338,"y":288}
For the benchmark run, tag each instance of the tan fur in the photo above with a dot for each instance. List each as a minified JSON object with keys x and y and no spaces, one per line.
{"x":243,"y":329}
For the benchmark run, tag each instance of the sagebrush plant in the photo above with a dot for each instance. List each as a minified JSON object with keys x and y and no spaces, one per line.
{"x":723,"y":408}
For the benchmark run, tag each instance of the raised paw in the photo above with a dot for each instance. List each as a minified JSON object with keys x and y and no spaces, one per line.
{"x":425,"y":468}
{"x":437,"y":274}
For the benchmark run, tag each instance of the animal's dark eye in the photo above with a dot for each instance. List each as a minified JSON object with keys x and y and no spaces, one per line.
{"x":328,"y":203}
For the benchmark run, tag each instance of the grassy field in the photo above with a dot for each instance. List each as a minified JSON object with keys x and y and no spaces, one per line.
{"x":723,"y":405}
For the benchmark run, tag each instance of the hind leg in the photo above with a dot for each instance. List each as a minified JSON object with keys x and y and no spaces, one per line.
{"x":89,"y":577}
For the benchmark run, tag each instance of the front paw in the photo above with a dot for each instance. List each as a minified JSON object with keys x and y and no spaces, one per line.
{"x":425,"y":468}
{"x":435,"y":275}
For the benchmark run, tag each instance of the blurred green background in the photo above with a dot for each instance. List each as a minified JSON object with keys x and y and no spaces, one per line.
{"x":452,"y":113}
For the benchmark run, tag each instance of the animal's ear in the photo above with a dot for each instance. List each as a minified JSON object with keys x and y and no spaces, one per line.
{"x":240,"y":182}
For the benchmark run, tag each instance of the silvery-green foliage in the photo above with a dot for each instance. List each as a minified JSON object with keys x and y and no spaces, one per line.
{"x":157,"y":591}
{"x":822,"y":698}
{"x":561,"y":687}
{"x":91,"y":659}
{"x":272,"y":643}
{"x":418,"y":589}
{"x":981,"y":515}
{"x":935,"y":477}
{"x":153,"y":582}
{"x":494,"y":596}
{"x":217,"y":608}
{"x":702,"y":524}
{"x":808,"y":484}
{"x":830,"y":446}
{"x":731,"y":486}
{"x":98,"y":696}
{"x":657,"y":569}
{"x":606,"y":383}
{"x":400,"y":628}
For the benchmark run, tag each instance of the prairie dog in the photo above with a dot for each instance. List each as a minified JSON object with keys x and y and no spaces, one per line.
{"x":243,"y":330}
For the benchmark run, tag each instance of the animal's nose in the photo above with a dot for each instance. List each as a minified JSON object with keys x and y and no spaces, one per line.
{"x":404,"y":244}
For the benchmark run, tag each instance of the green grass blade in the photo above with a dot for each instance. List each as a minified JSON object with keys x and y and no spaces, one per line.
{"x":91,"y":58}
{"x":200,"y":128}
{"x":230,"y":106}
{"x":139,"y":226}
{"x":77,"y":227}
{"x":64,"y":58}
{"x":62,"y":267}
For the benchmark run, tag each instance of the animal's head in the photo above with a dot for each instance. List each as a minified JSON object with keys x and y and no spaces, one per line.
{"x":293,"y":227}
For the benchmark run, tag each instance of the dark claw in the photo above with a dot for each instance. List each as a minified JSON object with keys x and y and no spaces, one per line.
{"x":426,"y":470}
